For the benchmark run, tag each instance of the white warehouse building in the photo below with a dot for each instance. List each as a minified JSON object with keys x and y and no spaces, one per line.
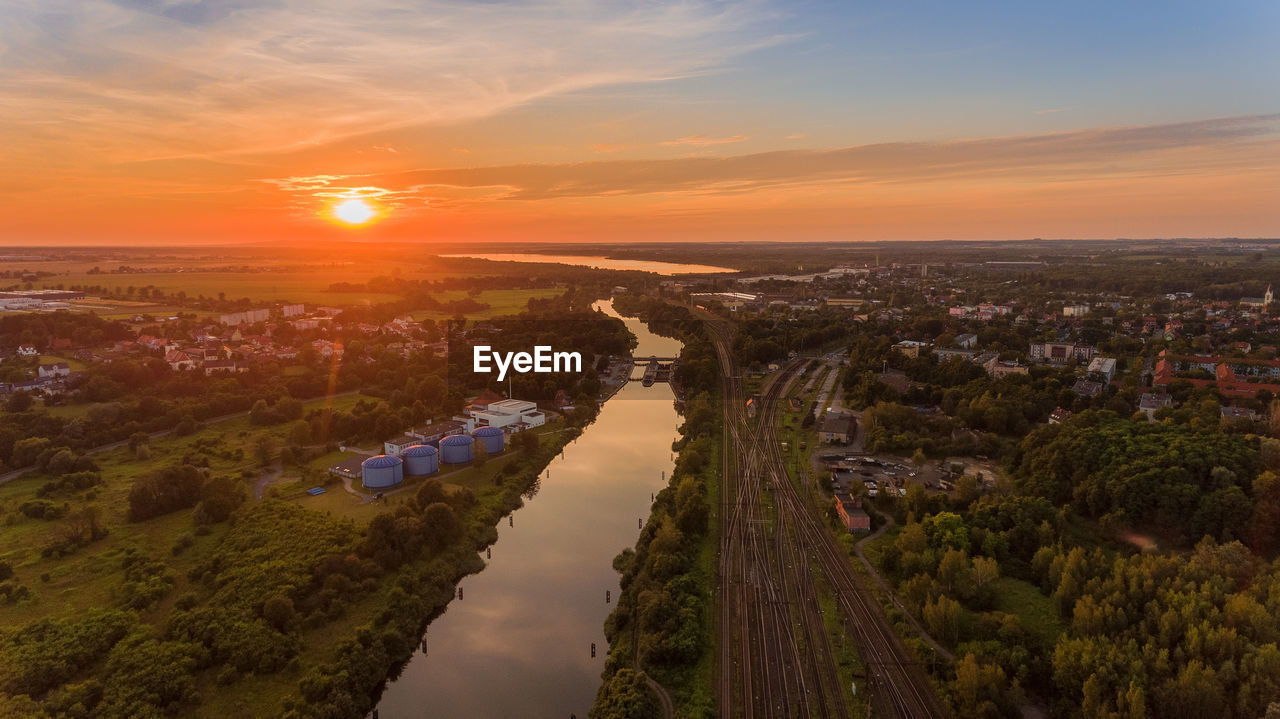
{"x":512,"y":414}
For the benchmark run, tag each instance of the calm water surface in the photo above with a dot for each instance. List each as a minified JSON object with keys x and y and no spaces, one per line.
{"x":519,"y":642}
{"x":600,"y":263}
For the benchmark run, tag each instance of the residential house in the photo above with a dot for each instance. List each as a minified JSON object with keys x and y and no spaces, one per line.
{"x":1105,"y":366}
{"x":910,"y":348}
{"x":52,"y":371}
{"x":1151,"y":402}
{"x":1059,"y":415}
{"x":1087,"y":388}
{"x":1239,"y":413}
{"x":179,"y":360}
{"x":220,"y":365}
{"x":1000,"y":370}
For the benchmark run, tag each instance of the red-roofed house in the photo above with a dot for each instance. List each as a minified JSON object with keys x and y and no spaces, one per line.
{"x":485,"y":399}
{"x":179,"y":360}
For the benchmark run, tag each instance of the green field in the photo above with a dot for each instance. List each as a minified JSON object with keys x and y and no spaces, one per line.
{"x":1035,"y":610}
{"x":92,"y":576}
{"x":501,"y":302}
{"x":74,"y":364}
{"x":310,"y":286}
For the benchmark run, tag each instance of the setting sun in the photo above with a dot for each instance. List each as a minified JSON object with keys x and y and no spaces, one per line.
{"x":354,"y":211}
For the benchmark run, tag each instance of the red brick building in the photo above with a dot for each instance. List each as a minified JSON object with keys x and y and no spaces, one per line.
{"x":850,"y":509}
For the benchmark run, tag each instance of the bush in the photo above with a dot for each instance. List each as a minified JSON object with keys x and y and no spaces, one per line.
{"x":43,"y":509}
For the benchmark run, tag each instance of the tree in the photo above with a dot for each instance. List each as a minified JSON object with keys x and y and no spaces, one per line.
{"x":167,"y":490}
{"x":264,"y":447}
{"x":978,"y":687}
{"x":955,"y":575}
{"x":440,"y":525}
{"x":19,"y":401}
{"x":82,"y":526}
{"x":279,"y":612}
{"x":985,"y":571}
{"x":943,"y":617}
{"x":966,"y":490}
{"x":918,"y":458}
{"x":429,"y":493}
{"x":300,"y":434}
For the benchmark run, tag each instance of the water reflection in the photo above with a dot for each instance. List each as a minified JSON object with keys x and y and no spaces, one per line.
{"x":519,"y":644}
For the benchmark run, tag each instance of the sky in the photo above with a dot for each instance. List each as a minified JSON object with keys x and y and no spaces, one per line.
{"x":180,"y":121}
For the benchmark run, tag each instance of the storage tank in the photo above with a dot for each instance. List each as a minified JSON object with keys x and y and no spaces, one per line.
{"x":381,"y":471}
{"x":420,"y":459}
{"x":493,"y":438}
{"x":456,"y":449}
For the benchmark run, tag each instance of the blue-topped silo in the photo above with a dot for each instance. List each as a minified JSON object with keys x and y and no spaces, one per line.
{"x":381,"y":471}
{"x":456,"y":449}
{"x":493,"y":438}
{"x":420,"y":459}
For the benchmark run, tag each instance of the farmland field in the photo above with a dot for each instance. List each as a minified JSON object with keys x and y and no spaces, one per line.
{"x":310,"y":286}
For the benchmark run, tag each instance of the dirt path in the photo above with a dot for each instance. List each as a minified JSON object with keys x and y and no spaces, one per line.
{"x":261,"y":483}
{"x":941,"y":650}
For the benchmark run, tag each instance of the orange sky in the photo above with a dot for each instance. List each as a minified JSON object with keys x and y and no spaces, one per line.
{"x":163,"y":122}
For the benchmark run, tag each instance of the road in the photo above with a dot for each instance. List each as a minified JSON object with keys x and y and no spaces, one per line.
{"x":775,"y":657}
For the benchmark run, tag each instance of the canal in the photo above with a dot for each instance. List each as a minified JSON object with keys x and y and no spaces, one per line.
{"x":519,"y":642}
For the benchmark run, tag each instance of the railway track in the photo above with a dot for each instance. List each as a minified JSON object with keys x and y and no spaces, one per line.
{"x":775,"y":657}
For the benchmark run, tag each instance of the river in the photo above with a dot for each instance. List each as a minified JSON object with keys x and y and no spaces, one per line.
{"x":518,"y":644}
{"x":600,"y":263}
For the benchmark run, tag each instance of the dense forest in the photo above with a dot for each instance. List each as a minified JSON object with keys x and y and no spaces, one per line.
{"x":1039,"y":591}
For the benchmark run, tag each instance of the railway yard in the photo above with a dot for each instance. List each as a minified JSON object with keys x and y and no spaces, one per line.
{"x":776,"y":658}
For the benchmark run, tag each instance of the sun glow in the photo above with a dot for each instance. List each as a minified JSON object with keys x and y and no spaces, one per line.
{"x":354,"y":211}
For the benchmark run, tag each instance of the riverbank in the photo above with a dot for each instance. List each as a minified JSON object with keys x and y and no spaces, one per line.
{"x":535,"y":615}
{"x":660,"y":633}
{"x":415,"y":595}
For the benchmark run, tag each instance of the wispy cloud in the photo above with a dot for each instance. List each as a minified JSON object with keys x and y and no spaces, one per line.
{"x":705,"y":140}
{"x":135,"y":80}
{"x":1210,"y":147}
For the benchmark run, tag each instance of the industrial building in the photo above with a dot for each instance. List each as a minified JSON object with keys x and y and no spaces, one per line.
{"x":43,"y":295}
{"x":493,"y":439}
{"x":430,"y":434}
{"x":516,"y":414}
{"x":457,"y":449}
{"x":852,"y":515}
{"x":421,"y":460}
{"x":382,"y":472}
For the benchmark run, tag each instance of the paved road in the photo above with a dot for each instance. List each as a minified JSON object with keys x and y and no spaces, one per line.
{"x":10,"y":476}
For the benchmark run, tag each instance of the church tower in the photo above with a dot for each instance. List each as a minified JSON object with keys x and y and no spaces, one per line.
{"x":1267,"y":297}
